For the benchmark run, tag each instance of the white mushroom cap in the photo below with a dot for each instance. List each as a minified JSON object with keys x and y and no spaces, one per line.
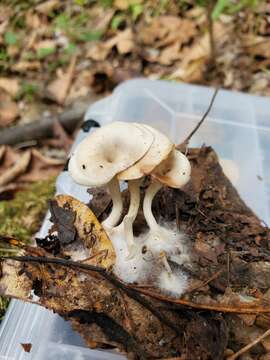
{"x":174,"y":171}
{"x":108,"y":151}
{"x":158,"y":151}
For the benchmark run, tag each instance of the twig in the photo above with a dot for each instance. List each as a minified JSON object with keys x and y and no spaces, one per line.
{"x":213,"y":277}
{"x":41,"y":129}
{"x":17,"y":169}
{"x":209,"y":11}
{"x":132,"y":293}
{"x":241,"y":309}
{"x":186,"y":141}
{"x":249,"y":346}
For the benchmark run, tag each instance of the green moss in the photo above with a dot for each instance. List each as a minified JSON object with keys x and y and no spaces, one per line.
{"x":22,"y":217}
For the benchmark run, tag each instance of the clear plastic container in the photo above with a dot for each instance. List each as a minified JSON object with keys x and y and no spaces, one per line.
{"x":239,"y":130}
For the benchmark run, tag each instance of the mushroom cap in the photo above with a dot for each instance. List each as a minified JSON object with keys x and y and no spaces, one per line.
{"x":108,"y":151}
{"x":158,"y":151}
{"x":175,"y":171}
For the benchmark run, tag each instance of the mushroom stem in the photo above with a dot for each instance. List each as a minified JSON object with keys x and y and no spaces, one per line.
{"x":147,"y":205}
{"x":134,"y":191}
{"x":117,"y":208}
{"x":155,"y":229}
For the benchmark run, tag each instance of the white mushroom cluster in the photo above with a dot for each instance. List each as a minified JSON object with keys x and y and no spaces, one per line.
{"x":123,"y":151}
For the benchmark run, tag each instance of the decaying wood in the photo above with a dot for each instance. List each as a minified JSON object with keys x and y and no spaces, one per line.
{"x":137,"y":319}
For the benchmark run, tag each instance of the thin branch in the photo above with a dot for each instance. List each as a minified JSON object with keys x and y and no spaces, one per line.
{"x":186,"y":141}
{"x":132,"y":293}
{"x":241,"y":309}
{"x":213,"y":277}
{"x":249,"y":346}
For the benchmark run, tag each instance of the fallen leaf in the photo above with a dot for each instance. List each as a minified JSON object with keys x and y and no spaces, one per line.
{"x":257,"y":45}
{"x":17,"y":169}
{"x":32,"y":20}
{"x":27,"y":347}
{"x":58,"y":89}
{"x":98,"y":242}
{"x":64,"y":140}
{"x":48,"y":6}
{"x":170,"y":54}
{"x":47,"y":160}
{"x":40,"y":168}
{"x":11,"y":86}
{"x":45,"y":44}
{"x":3,"y":26}
{"x":98,"y":52}
{"x":23,"y":66}
{"x":124,"y":42}
{"x":9,"y":110}
{"x":2,"y":152}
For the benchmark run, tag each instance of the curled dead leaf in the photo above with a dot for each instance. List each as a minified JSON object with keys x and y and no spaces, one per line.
{"x":11,"y":86}
{"x":9,"y":110}
{"x":90,"y":231}
{"x":17,"y":169}
{"x":47,"y":6}
{"x":58,"y":89}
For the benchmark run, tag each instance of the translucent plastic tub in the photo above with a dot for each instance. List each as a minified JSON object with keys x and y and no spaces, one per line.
{"x":239,"y":130}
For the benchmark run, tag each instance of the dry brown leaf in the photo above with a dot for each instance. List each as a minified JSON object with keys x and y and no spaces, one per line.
{"x":81,"y":86}
{"x":170,"y":54}
{"x":2,"y":152}
{"x":23,"y":66}
{"x":9,"y":110}
{"x":103,"y":20}
{"x":32,"y":20}
{"x":257,"y":45}
{"x":31,"y":39}
{"x":125,"y":46}
{"x":62,"y":137}
{"x":47,"y":160}
{"x":11,"y":86}
{"x":41,"y":168}
{"x":58,"y":89}
{"x":98,"y":52}
{"x":17,"y":169}
{"x":45,"y":44}
{"x":194,"y":57}
{"x":3,"y":26}
{"x":164,"y":30}
{"x":47,"y":6}
{"x":124,"y":42}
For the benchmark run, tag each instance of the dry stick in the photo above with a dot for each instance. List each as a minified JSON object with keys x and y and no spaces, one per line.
{"x":43,"y":128}
{"x":101,"y":271}
{"x":186,"y":141}
{"x":249,"y":346}
{"x":244,"y":309}
{"x":134,"y":292}
{"x":213,"y":277}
